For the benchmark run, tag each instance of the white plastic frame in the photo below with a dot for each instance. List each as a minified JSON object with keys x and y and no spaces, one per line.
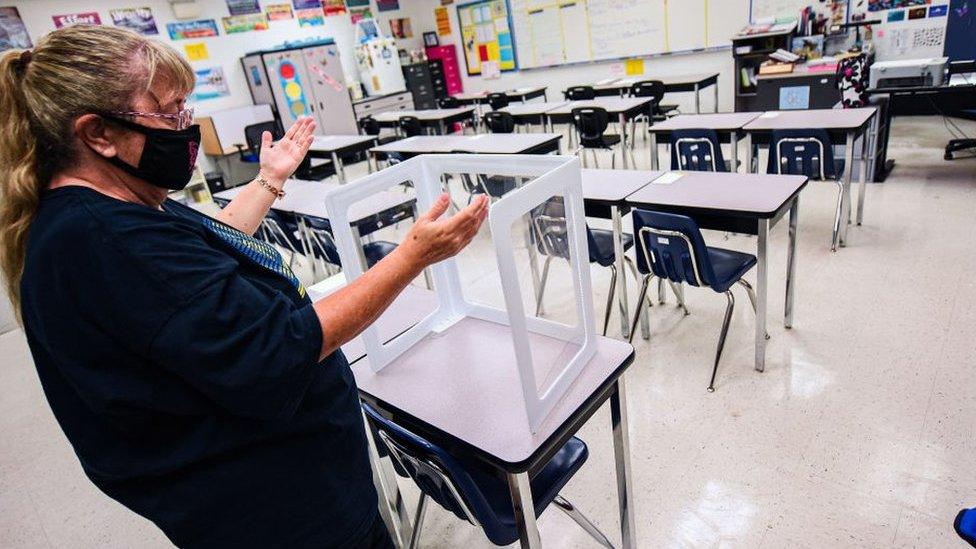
{"x":554,"y":176}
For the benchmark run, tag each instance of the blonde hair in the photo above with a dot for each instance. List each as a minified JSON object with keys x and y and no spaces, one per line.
{"x":72,"y":71}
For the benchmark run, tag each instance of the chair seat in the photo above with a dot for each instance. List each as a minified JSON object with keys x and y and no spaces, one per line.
{"x":666,"y":107}
{"x":498,"y":185}
{"x":728,"y":266}
{"x":602,"y":250}
{"x":250,"y":158}
{"x":604,"y":142}
{"x":546,"y":485}
{"x":375,"y":251}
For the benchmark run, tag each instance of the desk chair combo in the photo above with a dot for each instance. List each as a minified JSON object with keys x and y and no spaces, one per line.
{"x":410,"y":126}
{"x":590,"y":124}
{"x":671,"y":247}
{"x":808,"y":152}
{"x":462,"y":486}
{"x":580,"y":93}
{"x":449,"y":102}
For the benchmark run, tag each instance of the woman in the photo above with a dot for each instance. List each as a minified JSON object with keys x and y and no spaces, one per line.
{"x":198,"y":384}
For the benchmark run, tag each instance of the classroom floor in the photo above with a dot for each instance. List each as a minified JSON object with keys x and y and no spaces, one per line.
{"x":861,"y":432}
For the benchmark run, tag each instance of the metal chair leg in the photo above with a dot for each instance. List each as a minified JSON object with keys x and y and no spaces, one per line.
{"x":613,"y":287}
{"x":660,"y":292}
{"x":641,"y":296}
{"x":419,"y":521}
{"x":542,"y":285}
{"x":721,"y":338}
{"x":566,"y":507}
{"x":679,"y":294}
{"x":752,"y":297}
{"x":837,"y":221}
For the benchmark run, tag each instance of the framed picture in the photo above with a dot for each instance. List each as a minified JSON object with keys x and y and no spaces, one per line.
{"x":431,"y":40}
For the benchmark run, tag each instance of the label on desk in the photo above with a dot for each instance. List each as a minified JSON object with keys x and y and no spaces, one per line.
{"x":770,"y":114}
{"x":668,"y":178}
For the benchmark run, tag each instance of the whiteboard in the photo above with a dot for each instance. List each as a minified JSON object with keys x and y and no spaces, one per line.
{"x":556,"y":32}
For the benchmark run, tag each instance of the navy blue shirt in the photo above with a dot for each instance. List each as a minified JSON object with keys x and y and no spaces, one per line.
{"x":181,"y":359}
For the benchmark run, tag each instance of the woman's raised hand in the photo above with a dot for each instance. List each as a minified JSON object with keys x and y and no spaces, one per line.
{"x":433,"y":239}
{"x":280,"y":160}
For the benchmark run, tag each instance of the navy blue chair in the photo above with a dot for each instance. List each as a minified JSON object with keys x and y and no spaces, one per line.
{"x":469,"y":490}
{"x":552,"y":241}
{"x":591,"y":124}
{"x":671,"y":247}
{"x":808,"y":152}
{"x":324,"y":248}
{"x":965,"y":525}
{"x":697,"y":150}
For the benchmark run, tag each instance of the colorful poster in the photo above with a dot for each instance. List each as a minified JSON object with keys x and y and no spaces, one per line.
{"x":243,"y":7}
{"x":278,"y":12}
{"x":917,"y":13}
{"x":310,"y":18}
{"x":334,"y":7}
{"x":358,"y":14}
{"x":183,"y":30}
{"x":210,"y":84}
{"x":486,"y":35}
{"x":140,"y":20}
{"x":387,"y":5}
{"x":401,"y":28}
{"x":443,"y":21}
{"x":245,"y":23}
{"x":357,"y":3}
{"x":880,"y":5}
{"x":939,"y":11}
{"x":86,"y":18}
{"x":306,"y":4}
{"x":197,"y":51}
{"x":13,"y":33}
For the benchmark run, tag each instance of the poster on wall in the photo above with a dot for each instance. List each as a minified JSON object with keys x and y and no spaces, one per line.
{"x":334,"y":7}
{"x":245,"y":23}
{"x":310,"y":18}
{"x":486,"y":35}
{"x":13,"y":33}
{"x":307,"y":4}
{"x":210,"y":84}
{"x":357,"y":3}
{"x":201,"y":28}
{"x":358,"y":14}
{"x":196,"y":51}
{"x":387,"y":5}
{"x":140,"y":20}
{"x":881,"y":5}
{"x":86,"y":18}
{"x":243,"y":7}
{"x":278,"y":12}
{"x":401,"y":28}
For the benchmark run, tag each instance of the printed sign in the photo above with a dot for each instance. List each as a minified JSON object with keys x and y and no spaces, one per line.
{"x":278,"y":12}
{"x":245,"y":23}
{"x":310,"y":18}
{"x":86,"y":18}
{"x":243,"y":7}
{"x":184,"y":30}
{"x":140,"y":20}
{"x":210,"y":84}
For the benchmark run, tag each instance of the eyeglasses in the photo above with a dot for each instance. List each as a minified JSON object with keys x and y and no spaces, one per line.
{"x":182,"y":119}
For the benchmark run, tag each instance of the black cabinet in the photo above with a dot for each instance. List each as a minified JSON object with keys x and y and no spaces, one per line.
{"x":426,"y":83}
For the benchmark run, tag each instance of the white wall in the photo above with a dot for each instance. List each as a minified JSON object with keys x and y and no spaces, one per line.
{"x":421,"y":14}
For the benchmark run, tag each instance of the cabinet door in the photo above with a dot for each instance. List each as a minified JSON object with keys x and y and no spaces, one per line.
{"x":334,"y":114}
{"x":257,"y":80}
{"x":289,"y":82}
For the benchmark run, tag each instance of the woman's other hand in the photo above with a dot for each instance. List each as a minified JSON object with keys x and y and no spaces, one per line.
{"x":432,"y":239}
{"x":280,"y":160}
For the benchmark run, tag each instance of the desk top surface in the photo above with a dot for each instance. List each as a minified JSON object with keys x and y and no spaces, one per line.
{"x":488,"y":143}
{"x":308,"y":198}
{"x":614,"y":185}
{"x":829,"y":119}
{"x":613,"y":105}
{"x":723,"y":121}
{"x":525,"y":90}
{"x":752,"y":195}
{"x":427,"y":115}
{"x":327,"y":143}
{"x":463,"y":382}
{"x":679,"y":79}
{"x":530,"y":109}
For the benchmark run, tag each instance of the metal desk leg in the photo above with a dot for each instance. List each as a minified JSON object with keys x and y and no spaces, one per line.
{"x":840,"y":228}
{"x":761,"y":291}
{"x":697,"y":99}
{"x":525,"y":519}
{"x":749,"y":152}
{"x":791,"y":265}
{"x":618,"y":252}
{"x":715,"y":88}
{"x":654,"y":158}
{"x":734,"y":142}
{"x":862,"y":191}
{"x":623,"y":140}
{"x":339,"y":170}
{"x":393,"y":508}
{"x":621,"y":454}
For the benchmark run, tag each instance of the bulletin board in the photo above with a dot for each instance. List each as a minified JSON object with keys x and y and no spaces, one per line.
{"x":486,"y":35}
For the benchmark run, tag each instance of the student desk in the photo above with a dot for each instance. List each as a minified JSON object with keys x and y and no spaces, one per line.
{"x":462,"y":391}
{"x":843,"y":125}
{"x":604,"y":194}
{"x":517,"y":94}
{"x":490,"y":143}
{"x":624,"y":108}
{"x":337,"y":146}
{"x":742,"y":203}
{"x":726,"y":124}
{"x":533,"y":113}
{"x":672,"y":84}
{"x":430,"y":118}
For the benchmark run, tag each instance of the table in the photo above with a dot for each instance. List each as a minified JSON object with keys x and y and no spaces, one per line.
{"x":430,"y":118}
{"x":846,"y":124}
{"x":452,"y":391}
{"x":533,"y":113}
{"x":742,"y":203}
{"x":672,"y":84}
{"x":604,"y":194}
{"x":335,"y":146}
{"x":624,"y":108}
{"x":516,"y":94}
{"x":490,"y":143}
{"x":725,"y":124}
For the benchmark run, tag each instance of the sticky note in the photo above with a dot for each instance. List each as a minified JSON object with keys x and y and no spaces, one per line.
{"x":196,"y":51}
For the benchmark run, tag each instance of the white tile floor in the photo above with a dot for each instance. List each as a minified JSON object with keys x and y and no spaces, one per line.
{"x":861,"y":432}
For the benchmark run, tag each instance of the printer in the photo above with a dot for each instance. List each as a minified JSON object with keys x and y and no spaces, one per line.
{"x":905,"y":73}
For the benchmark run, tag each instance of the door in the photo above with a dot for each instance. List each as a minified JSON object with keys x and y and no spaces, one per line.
{"x":334,"y":114}
{"x":289,"y":82}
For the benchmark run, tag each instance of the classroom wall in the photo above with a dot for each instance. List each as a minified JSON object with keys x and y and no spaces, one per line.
{"x":421,"y":14}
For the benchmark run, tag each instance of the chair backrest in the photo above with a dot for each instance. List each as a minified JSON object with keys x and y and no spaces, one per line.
{"x":671,"y":246}
{"x":253,"y":133}
{"x":369,"y":125}
{"x":497,"y":100}
{"x":499,"y":122}
{"x":448,"y":102}
{"x":580,"y":93}
{"x":697,"y":150}
{"x":435,"y":472}
{"x":410,"y":126}
{"x":807,"y":152}
{"x":550,"y":233}
{"x":590,"y":123}
{"x":467,"y":182}
{"x":648,"y":88}
{"x":277,"y":229}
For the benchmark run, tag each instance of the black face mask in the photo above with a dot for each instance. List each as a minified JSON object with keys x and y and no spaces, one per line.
{"x":168,"y":157}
